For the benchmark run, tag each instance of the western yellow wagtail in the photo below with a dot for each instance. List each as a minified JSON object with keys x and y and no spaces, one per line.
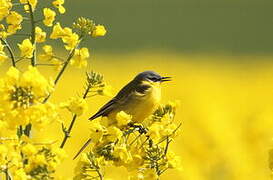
{"x":139,"y":98}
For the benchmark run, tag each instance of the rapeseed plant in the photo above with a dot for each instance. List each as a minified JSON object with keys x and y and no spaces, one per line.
{"x":26,"y":108}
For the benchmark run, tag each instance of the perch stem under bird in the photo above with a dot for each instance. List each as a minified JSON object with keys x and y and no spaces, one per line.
{"x":139,"y":98}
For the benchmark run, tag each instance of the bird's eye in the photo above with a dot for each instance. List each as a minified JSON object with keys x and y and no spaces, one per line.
{"x":154,"y":79}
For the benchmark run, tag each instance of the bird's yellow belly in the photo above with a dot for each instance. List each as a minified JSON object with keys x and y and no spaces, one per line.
{"x":144,"y":106}
{"x":139,"y":106}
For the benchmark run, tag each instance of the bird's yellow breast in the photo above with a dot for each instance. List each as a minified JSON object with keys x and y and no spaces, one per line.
{"x":146,"y":104}
{"x":140,"y":105}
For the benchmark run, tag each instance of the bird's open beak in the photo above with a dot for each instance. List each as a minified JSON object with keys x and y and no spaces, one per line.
{"x":163,"y":79}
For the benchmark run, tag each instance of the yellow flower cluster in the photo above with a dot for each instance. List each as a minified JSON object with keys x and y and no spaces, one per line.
{"x":26,"y":3}
{"x":5,"y":5}
{"x":26,"y":160}
{"x":80,"y":58}
{"x":68,"y":37}
{"x":25,"y":109}
{"x":21,"y":98}
{"x":14,"y":21}
{"x":99,"y":31}
{"x":49,"y":16}
{"x":143,"y":151}
{"x":26,"y":48}
{"x":59,"y":4}
{"x":76,"y":106}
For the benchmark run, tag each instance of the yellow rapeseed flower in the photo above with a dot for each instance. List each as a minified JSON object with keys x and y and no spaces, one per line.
{"x":57,"y":32}
{"x":68,"y":37}
{"x":14,"y":18}
{"x":14,"y":21}
{"x":3,"y":33}
{"x":71,"y":40}
{"x":173,"y":161}
{"x":49,"y":16}
{"x":3,"y":153}
{"x":26,"y":48}
{"x":12,"y":28}
{"x":40,"y":35}
{"x":150,"y":174}
{"x":98,"y":31}
{"x":20,"y":174}
{"x":123,"y":118}
{"x":22,"y":96}
{"x":97,"y":131}
{"x":123,"y":155}
{"x":29,"y":149}
{"x":113,"y":134}
{"x":48,"y":53}
{"x":154,"y":131}
{"x":105,"y":91}
{"x":3,"y":56}
{"x":59,"y":4}
{"x":79,"y":58}
{"x":5,"y":6}
{"x":135,"y":175}
{"x":77,"y":105}
{"x":33,"y":4}
{"x":58,"y":64}
{"x":39,"y":159}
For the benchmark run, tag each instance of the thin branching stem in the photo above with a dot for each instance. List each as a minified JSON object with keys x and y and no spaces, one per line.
{"x":99,"y":173}
{"x":20,"y":59}
{"x":168,"y":141}
{"x":22,"y":34}
{"x":147,"y":138}
{"x":65,"y":64}
{"x":71,"y":54}
{"x":41,"y":64}
{"x":7,"y":174}
{"x":170,"y":134}
{"x":4,"y":41}
{"x":136,"y":138}
{"x":33,"y":38}
{"x":162,"y":171}
{"x":68,"y":131}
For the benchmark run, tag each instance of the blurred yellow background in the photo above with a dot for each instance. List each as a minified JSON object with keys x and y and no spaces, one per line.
{"x":220,"y":55}
{"x":226,"y":110}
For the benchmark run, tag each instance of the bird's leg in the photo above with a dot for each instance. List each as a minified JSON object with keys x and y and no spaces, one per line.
{"x":138,"y":127}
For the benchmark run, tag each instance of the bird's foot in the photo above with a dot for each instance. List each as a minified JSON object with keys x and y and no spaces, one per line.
{"x":138,"y":127}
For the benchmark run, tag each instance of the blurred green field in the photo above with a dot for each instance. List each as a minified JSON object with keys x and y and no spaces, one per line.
{"x":226,"y":26}
{"x":226,"y":110}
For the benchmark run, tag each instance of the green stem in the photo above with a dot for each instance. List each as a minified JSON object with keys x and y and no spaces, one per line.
{"x":20,"y":131}
{"x":71,"y":54}
{"x":7,"y":174}
{"x":99,"y":173}
{"x":33,"y":38}
{"x":27,"y":130}
{"x":167,"y":145}
{"x":170,"y":134}
{"x":68,"y":131}
{"x":10,"y":51}
{"x":65,"y":64}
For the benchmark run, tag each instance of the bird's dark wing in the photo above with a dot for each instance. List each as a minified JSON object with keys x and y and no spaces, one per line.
{"x":104,"y":110}
{"x":120,"y":98}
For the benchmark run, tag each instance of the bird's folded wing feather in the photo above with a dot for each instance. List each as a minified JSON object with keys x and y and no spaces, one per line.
{"x":118,"y":100}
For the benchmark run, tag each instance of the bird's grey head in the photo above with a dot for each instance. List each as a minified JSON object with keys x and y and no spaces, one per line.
{"x":151,"y":76}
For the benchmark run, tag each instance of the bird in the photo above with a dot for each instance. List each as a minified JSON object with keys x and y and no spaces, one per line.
{"x":139,"y":98}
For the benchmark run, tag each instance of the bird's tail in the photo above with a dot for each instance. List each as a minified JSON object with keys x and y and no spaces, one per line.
{"x":82,"y":148}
